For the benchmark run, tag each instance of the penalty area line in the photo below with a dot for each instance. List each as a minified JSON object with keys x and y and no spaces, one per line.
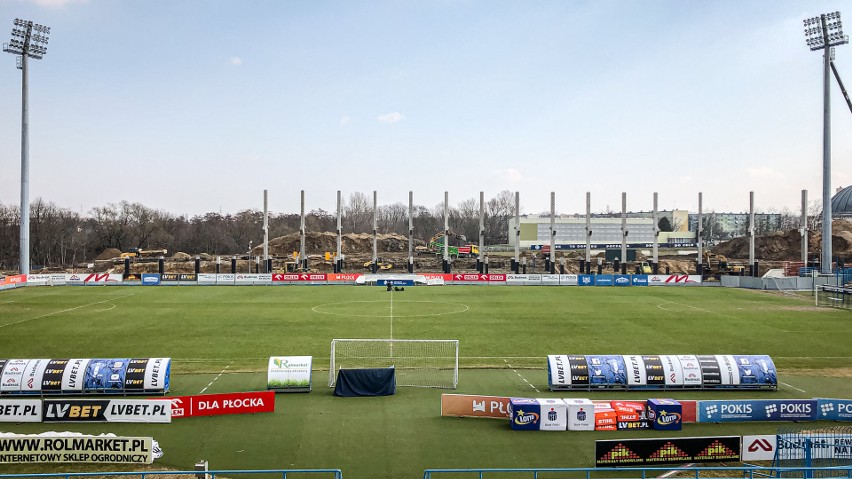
{"x":519,"y":375}
{"x":792,"y":387}
{"x":217,"y":377}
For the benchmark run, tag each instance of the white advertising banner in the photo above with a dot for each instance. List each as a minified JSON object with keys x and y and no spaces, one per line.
{"x":558,"y":368}
{"x":759,"y":448}
{"x":95,"y":450}
{"x":636,"y":373}
{"x":139,"y":410}
{"x":728,"y":370}
{"x":550,"y":279}
{"x":554,"y":414}
{"x":207,"y":278}
{"x":245,"y":279}
{"x":13,"y":375}
{"x":20,"y":410}
{"x":289,"y":373}
{"x":672,"y":370}
{"x":691,"y":370}
{"x":38,"y":279}
{"x":33,"y":374}
{"x":568,"y":279}
{"x":673,"y":279}
{"x":521,"y":279}
{"x":155,"y":373}
{"x":73,"y":378}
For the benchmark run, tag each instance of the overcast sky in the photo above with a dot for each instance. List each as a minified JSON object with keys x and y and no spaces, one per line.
{"x":198,"y":106}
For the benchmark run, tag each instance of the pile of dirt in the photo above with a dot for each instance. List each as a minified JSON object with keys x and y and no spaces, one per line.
{"x":318,"y":243}
{"x":787,"y":246}
{"x":181,"y":256}
{"x":108,"y":254}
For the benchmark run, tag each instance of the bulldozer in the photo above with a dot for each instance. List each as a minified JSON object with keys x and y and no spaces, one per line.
{"x":141,"y":253}
{"x":382,"y":264}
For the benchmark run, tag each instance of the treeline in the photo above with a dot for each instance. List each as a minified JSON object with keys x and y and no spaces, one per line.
{"x":60,"y":237}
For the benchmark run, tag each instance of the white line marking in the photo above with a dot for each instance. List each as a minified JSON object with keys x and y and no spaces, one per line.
{"x":104,"y":310}
{"x":318,"y":309}
{"x":391,"y":315}
{"x":64,"y":310}
{"x":519,"y":375}
{"x":794,"y":387}
{"x":217,"y":377}
{"x":694,"y":307}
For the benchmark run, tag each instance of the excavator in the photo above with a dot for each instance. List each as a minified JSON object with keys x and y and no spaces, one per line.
{"x":142,"y":253}
{"x":383,"y":265}
{"x":717,"y":264}
{"x":435,"y":245}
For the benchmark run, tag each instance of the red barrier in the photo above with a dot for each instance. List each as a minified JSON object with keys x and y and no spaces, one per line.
{"x":222,"y":404}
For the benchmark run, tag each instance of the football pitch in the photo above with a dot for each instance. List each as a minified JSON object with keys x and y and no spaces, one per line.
{"x":220,"y":339}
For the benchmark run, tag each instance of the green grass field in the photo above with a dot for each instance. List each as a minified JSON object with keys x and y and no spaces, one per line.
{"x":505,"y":334}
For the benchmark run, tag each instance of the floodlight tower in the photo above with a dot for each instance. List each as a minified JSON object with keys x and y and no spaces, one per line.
{"x":823,"y":33}
{"x":29,"y":40}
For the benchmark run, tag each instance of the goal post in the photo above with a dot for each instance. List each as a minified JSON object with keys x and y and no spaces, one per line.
{"x":425,"y":363}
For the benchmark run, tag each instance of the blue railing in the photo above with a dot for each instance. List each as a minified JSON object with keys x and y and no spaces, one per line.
{"x":282,"y":473}
{"x":746,"y":472}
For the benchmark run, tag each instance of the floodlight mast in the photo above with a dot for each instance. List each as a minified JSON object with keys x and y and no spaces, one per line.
{"x":29,"y":40}
{"x":823,"y":33}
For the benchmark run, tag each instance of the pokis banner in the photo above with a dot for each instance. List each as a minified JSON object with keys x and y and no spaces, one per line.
{"x":76,"y":376}
{"x":757,"y":410}
{"x":640,"y":371}
{"x":834,"y":409}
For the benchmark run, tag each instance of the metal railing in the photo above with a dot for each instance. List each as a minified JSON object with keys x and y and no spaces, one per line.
{"x":276,"y":473}
{"x":745,"y":472}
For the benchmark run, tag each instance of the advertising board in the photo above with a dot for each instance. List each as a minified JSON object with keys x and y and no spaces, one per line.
{"x":20,"y":410}
{"x":468,"y":405}
{"x":568,"y":279}
{"x":222,"y":404}
{"x":289,"y":373}
{"x":835,"y":409}
{"x":742,"y":410}
{"x":107,"y":410}
{"x":673,"y":279}
{"x":603,"y":280}
{"x":74,"y":376}
{"x":674,"y":450}
{"x":661,"y":372}
{"x":759,"y":448}
{"x":86,"y":449}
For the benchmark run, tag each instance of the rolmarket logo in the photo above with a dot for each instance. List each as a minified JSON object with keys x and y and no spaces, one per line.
{"x":286,"y":364}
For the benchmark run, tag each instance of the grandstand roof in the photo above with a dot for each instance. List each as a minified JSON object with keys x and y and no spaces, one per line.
{"x":841,"y":202}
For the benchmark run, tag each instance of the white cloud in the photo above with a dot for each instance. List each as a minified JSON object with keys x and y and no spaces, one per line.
{"x":392,"y":117}
{"x":345,"y":120}
{"x":510,"y":174}
{"x":765,"y":173}
{"x":236,"y":61}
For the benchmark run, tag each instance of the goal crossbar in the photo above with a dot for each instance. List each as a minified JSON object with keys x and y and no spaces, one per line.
{"x":427,"y":363}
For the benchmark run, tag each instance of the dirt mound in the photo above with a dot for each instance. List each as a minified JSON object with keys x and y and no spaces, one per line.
{"x":181,"y":256}
{"x":108,"y":253}
{"x":787,"y":246}
{"x":318,"y":243}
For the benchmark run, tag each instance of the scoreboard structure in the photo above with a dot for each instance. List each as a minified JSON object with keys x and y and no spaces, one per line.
{"x":660,"y":372}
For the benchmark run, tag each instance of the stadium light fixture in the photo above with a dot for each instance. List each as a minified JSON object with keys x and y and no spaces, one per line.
{"x":823,"y":33}
{"x":29,"y":40}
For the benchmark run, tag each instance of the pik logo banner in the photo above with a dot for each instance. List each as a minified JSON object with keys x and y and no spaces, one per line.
{"x":667,"y":450}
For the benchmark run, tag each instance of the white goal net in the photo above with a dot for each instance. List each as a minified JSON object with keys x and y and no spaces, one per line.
{"x":425,"y":363}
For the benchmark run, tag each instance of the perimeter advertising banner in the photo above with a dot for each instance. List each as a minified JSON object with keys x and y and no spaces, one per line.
{"x":222,"y":404}
{"x":662,"y":371}
{"x":107,"y":410}
{"x":20,"y":410}
{"x":467,"y":405}
{"x":37,"y":449}
{"x":835,"y":409}
{"x":675,"y":450}
{"x":757,"y":410}
{"x":75,"y":376}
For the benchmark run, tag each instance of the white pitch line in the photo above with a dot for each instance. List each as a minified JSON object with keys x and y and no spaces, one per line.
{"x":217,"y":377}
{"x":519,"y":375}
{"x":64,"y":311}
{"x":391,"y":314}
{"x":793,"y":387}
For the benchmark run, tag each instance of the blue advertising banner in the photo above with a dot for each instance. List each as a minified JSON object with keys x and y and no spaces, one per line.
{"x":757,"y":410}
{"x":585,"y":280}
{"x":603,"y":280}
{"x":150,"y":279}
{"x":395,"y":282}
{"x":834,"y":409}
{"x":640,"y":280}
{"x":756,"y":370}
{"x":621,"y":280}
{"x":607,"y":371}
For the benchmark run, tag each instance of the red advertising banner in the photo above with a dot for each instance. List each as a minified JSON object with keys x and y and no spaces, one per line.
{"x":445,"y":277}
{"x":348,"y":277}
{"x":479,"y":277}
{"x":222,"y":404}
{"x":15,"y":279}
{"x":296,"y":277}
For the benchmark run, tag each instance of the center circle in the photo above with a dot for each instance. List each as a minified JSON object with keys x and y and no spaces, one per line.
{"x":382,"y":309}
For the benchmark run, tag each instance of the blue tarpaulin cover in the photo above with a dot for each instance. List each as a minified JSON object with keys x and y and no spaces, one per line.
{"x":365,"y":382}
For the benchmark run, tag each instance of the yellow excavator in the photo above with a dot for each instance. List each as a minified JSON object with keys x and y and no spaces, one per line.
{"x":713,"y":264}
{"x":382,"y":264}
{"x":141,"y":253}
